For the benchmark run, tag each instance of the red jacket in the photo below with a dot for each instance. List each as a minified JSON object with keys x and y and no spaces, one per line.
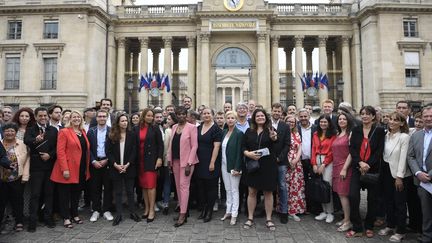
{"x":69,"y":157}
{"x":322,"y":147}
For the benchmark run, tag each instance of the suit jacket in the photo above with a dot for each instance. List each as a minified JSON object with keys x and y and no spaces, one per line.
{"x":376,"y":145}
{"x":415,"y":155}
{"x":153,"y":147}
{"x":234,"y":154}
{"x":188,"y":145}
{"x":129,"y":156}
{"x":92,"y":136}
{"x":47,"y":145}
{"x":283,"y":142}
{"x":69,"y":153}
{"x":395,"y":153}
{"x":411,"y":122}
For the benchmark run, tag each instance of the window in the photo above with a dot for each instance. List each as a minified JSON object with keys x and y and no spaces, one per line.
{"x":12,"y":72}
{"x":50,"y":29}
{"x":410,"y":28}
{"x":50,"y":73}
{"x":412,"y":69}
{"x":14,"y":30}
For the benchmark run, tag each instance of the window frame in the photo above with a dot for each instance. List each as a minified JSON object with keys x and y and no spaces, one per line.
{"x":410,"y":33}
{"x":17,"y":31}
{"x":12,"y":83}
{"x":50,"y":77}
{"x":49,"y":32}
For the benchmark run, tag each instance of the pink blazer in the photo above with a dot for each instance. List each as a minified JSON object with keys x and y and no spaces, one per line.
{"x":188,"y":145}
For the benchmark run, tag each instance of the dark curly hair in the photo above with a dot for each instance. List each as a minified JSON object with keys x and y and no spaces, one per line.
{"x":31,"y":114}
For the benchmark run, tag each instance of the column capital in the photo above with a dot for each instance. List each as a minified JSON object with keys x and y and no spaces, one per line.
{"x":261,"y":36}
{"x":204,"y":36}
{"x":190,"y":40}
{"x":288,"y":49}
{"x":121,"y":42}
{"x":322,"y":40}
{"x":345,"y":40}
{"x":176,"y":51}
{"x":308,"y":48}
{"x":298,"y":39}
{"x":167,"y":40}
{"x":144,"y":41}
{"x":275,"y":40}
{"x":155,"y":50}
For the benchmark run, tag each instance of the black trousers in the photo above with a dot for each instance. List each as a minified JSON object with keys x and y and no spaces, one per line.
{"x":12,"y":192}
{"x":354,"y":196}
{"x":207,"y":192}
{"x":119,"y":186}
{"x":100,"y":182}
{"x":414,"y":206}
{"x":311,"y":206}
{"x":426,"y":204}
{"x":395,"y":201}
{"x":40,"y":184}
{"x":69,"y":195}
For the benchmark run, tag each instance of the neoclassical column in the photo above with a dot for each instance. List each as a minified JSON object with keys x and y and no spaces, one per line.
{"x":111,"y":65}
{"x":346,"y":69}
{"x":322,"y":44}
{"x":156,"y":51}
{"x":289,"y":90}
{"x":167,"y":68}
{"x":175,"y":73}
{"x":261,"y":68}
{"x":223,"y":94}
{"x":143,"y":95}
{"x":308,"y":49}
{"x":191,"y":69}
{"x":288,"y":53}
{"x":205,"y":69}
{"x":299,"y":70}
{"x":120,"y":84}
{"x":275,"y":87}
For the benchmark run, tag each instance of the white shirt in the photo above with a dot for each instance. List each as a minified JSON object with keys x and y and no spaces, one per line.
{"x":275,"y":124}
{"x":224,"y":146}
{"x":426,"y":142}
{"x":122,"y":146}
{"x":306,"y":141}
{"x":101,"y":137}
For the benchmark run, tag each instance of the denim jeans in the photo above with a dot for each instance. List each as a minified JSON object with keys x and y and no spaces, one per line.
{"x":283,"y":189}
{"x":166,"y":185}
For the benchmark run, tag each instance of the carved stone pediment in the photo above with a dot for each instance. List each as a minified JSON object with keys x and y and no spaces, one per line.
{"x":53,"y":47}
{"x":414,"y":44}
{"x":13,"y":47}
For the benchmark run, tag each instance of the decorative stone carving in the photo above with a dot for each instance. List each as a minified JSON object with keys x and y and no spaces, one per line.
{"x":121,"y":42}
{"x":190,"y":41}
{"x":261,"y":36}
{"x":298,"y":40}
{"x":205,"y":36}
{"x":144,"y":42}
{"x":21,"y":48}
{"x":275,"y":40}
{"x":52,"y":47}
{"x":322,"y":40}
{"x":345,"y":40}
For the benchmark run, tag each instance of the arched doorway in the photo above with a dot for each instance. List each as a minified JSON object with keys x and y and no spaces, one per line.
{"x":233,"y":69}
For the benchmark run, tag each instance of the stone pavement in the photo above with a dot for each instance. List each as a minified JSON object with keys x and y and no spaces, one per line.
{"x":162,"y":230}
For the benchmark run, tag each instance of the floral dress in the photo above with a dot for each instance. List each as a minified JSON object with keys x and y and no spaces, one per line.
{"x":295,"y":179}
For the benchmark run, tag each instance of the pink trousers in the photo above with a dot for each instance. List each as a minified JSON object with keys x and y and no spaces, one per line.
{"x":182,"y":184}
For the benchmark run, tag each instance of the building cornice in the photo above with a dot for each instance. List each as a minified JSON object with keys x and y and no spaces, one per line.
{"x":13,"y":47}
{"x":393,"y":8}
{"x":55,"y":47}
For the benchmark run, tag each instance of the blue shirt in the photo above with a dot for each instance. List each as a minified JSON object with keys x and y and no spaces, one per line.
{"x":243,"y":127}
{"x":426,"y":142}
{"x":101,"y":137}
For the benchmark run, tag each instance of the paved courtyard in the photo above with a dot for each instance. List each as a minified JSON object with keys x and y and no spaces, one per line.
{"x":162,"y":230}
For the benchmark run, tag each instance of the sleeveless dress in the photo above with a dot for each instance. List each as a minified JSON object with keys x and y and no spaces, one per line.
{"x":340,"y":149}
{"x":295,"y":179}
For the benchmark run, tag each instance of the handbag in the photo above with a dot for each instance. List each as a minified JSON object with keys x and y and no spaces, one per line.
{"x":370,"y":178}
{"x":253,"y":165}
{"x":318,"y":190}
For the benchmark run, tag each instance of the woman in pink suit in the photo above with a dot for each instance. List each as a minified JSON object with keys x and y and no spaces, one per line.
{"x":71,"y":169}
{"x":182,"y":157}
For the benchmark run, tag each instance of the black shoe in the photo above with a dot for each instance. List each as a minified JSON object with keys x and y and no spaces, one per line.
{"x":135,"y":217}
{"x":149,"y":220}
{"x":144,"y":216}
{"x":117,"y":220}
{"x":165,"y":211}
{"x":50,"y":223}
{"x":203,"y":214}
{"x":208,"y":216}
{"x":177,"y":209}
{"x":31,"y":227}
{"x":283,"y":218}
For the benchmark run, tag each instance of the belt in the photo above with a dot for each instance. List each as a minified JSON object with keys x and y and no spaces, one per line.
{"x":101,"y":158}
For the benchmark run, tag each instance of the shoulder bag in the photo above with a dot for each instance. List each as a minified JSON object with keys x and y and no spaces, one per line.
{"x":253,"y":165}
{"x":370,"y":178}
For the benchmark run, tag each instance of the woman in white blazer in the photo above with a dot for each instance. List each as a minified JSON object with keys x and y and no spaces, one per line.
{"x":394,"y":176}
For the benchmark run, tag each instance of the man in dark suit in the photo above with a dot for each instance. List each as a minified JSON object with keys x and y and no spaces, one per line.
{"x":42,"y":141}
{"x":281,"y":148}
{"x":55,"y":115}
{"x":420,"y":161}
{"x":327,"y":109}
{"x":404,"y":108}
{"x":99,"y":168}
{"x":106,"y":105}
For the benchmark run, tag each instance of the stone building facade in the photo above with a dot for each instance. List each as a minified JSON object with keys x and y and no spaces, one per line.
{"x":74,"y":53}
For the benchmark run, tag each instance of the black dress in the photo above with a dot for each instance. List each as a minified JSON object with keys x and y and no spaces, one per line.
{"x":266,"y":177}
{"x":82,"y":172}
{"x":205,"y":151}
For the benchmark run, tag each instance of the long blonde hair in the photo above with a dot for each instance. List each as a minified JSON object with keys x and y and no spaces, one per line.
{"x":81,"y":125}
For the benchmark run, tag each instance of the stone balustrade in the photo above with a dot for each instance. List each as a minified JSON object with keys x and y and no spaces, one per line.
{"x":97,"y":3}
{"x":310,"y":9}
{"x":183,"y":10}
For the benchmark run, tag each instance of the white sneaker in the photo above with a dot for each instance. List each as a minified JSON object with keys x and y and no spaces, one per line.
{"x":385,"y":231}
{"x":329,"y":218}
{"x":295,"y":217}
{"x":95,"y":216}
{"x":156,"y":208}
{"x":108,"y":216}
{"x":321,"y":216}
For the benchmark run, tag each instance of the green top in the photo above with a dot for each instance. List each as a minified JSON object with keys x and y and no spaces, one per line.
{"x":233,"y":150}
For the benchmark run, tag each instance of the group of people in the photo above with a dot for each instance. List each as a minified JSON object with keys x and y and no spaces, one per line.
{"x":240,"y":155}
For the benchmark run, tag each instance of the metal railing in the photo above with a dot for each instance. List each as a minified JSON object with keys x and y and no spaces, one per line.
{"x":48,"y":84}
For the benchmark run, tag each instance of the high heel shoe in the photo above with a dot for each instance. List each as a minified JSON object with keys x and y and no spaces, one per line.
{"x":135,"y":217}
{"x":226,"y":216}
{"x":208,"y":216}
{"x":181,"y":221}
